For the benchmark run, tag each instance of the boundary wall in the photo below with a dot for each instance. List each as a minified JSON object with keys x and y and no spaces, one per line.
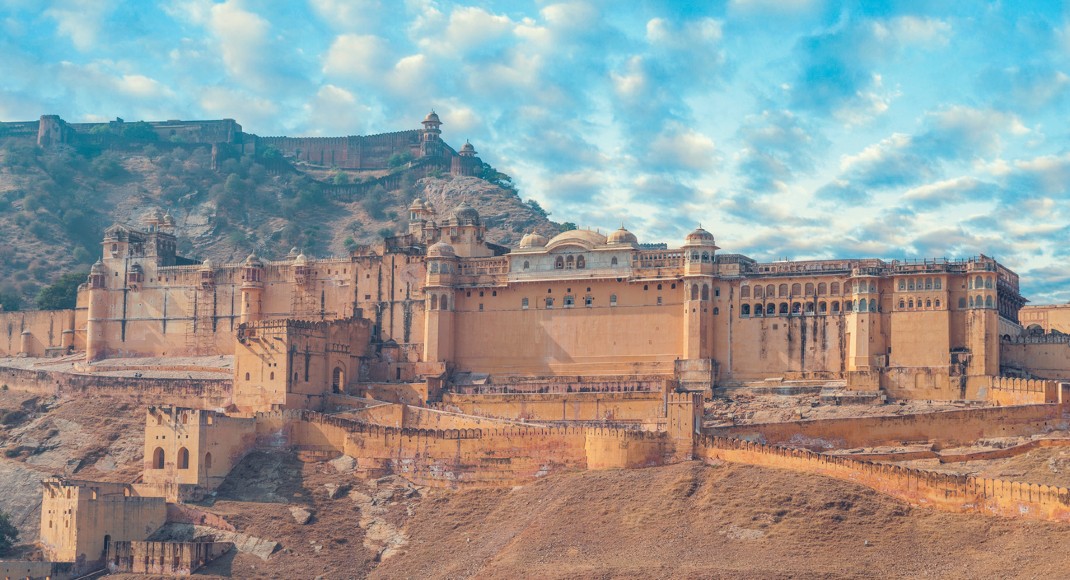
{"x":1012,"y":391}
{"x":950,"y":427}
{"x":466,"y":457}
{"x":953,"y":493}
{"x":163,"y":558}
{"x":195,"y":393}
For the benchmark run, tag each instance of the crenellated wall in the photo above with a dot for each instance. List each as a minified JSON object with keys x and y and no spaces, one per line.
{"x":163,"y":558}
{"x":195,"y":393}
{"x":954,"y":493}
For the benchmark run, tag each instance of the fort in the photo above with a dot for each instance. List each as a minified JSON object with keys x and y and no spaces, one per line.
{"x":454,"y":362}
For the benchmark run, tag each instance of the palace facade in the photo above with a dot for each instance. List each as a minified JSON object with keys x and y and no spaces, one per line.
{"x":442,"y":302}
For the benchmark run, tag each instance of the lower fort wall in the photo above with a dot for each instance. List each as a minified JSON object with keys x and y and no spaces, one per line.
{"x":635,"y":407}
{"x":465,"y":457}
{"x":1045,"y":357}
{"x":954,"y":493}
{"x":38,"y":333}
{"x":194,"y":393}
{"x":952,"y":427}
{"x":163,"y":558}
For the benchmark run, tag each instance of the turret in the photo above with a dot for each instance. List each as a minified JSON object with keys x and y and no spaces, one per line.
{"x":430,"y":138}
{"x":96,"y":312}
{"x":439,"y":306}
{"x":251,"y":289}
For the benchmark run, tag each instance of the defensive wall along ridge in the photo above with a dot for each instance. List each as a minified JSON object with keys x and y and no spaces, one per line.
{"x":953,"y":493}
{"x":960,"y":426}
{"x":202,"y":393}
{"x":466,"y":457}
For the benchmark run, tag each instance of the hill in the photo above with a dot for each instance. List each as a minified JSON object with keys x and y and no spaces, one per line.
{"x":55,"y":203}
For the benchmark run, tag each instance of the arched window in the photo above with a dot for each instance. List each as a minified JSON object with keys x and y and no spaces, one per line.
{"x":338,"y":380}
{"x":910,"y":304}
{"x":988,"y":302}
{"x":434,"y":267}
{"x":758,"y":292}
{"x":783,"y":308}
{"x":848,"y":305}
{"x":796,"y":289}
{"x":208,"y":460}
{"x":157,"y":458}
{"x":559,"y":263}
{"x":744,"y":310}
{"x":758,"y":309}
{"x":988,"y":283}
{"x":612,"y":299}
{"x":183,"y":458}
{"x":659,"y":286}
{"x":928,"y":283}
{"x":705,"y":292}
{"x":835,"y":288}
{"x":902,"y":304}
{"x":271,"y":376}
{"x":694,"y":291}
{"x":971,"y":301}
{"x":938,"y":303}
{"x":782,"y":290}
{"x":705,"y":257}
{"x":928,"y":303}
{"x":962,"y":303}
{"x":443,"y":304}
{"x":613,"y":262}
{"x":822,"y":289}
{"x":822,"y":307}
{"x":434,"y":302}
{"x":937,"y":284}
{"x":549,"y":303}
{"x":978,"y":282}
{"x":527,"y":264}
{"x":835,"y":307}
{"x":809,"y":307}
{"x":769,"y":293}
{"x":246,"y":376}
{"x":570,"y":262}
{"x":796,"y":307}
{"x":902,"y":284}
{"x":809,"y":288}
{"x":744,"y":292}
{"x":523,"y":303}
{"x":580,"y":263}
{"x":862,"y":305}
{"x":872,"y":290}
{"x":694,"y":256}
{"x":770,"y":309}
{"x":910,"y":285}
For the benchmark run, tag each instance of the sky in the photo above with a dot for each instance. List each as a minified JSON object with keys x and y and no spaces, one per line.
{"x":791,"y":129}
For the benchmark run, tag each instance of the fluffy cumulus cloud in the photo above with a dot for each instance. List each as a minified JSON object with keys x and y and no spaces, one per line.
{"x":797,"y":128}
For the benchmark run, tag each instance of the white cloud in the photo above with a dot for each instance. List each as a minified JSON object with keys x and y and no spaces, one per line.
{"x":913,"y":30}
{"x":351,"y":15}
{"x":80,"y":20}
{"x":242,"y":36}
{"x":222,"y":102}
{"x":358,"y":56}
{"x":692,"y":35}
{"x":336,"y":111}
{"x":683,"y":148}
{"x":471,"y":29}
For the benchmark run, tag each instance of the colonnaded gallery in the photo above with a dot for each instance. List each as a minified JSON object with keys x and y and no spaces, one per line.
{"x":442,"y":305}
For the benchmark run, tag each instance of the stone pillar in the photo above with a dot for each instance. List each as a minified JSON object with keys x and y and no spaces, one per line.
{"x":26,"y":343}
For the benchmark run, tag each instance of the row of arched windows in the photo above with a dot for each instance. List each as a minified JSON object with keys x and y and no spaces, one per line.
{"x":783,"y":290}
{"x":440,"y":302}
{"x":159,"y":459}
{"x":979,"y":302}
{"x":918,"y":303}
{"x":705,"y":257}
{"x":695,"y":293}
{"x":441,"y":268}
{"x":981,"y":282}
{"x":568,"y":263}
{"x":797,"y":308}
{"x":921,"y":284}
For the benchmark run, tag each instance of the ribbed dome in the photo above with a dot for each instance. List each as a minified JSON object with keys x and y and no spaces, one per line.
{"x":207,"y":265}
{"x":467,"y":149}
{"x":700,"y":237}
{"x":621,"y":236}
{"x":252,"y":260}
{"x":417,"y":205}
{"x":533,"y":240}
{"x":441,"y":250}
{"x":585,"y":238}
{"x":300,"y":260}
{"x":465,"y":213}
{"x":97,"y":268}
{"x":432,"y":117}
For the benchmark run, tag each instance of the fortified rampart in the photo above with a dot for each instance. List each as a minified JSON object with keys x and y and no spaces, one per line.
{"x":195,"y":393}
{"x":39,"y":333}
{"x":1045,"y":356}
{"x":465,"y":457}
{"x":954,"y":493}
{"x":163,"y":558}
{"x":950,"y":427}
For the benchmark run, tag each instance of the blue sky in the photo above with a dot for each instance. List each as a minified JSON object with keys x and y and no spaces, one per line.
{"x":790,"y":128}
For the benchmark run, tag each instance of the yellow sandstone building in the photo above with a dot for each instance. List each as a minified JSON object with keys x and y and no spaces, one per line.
{"x":441,"y":305}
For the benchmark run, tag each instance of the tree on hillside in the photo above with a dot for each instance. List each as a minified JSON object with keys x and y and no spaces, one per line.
{"x":63,"y":294}
{"x":8,"y":535}
{"x":9,"y":299}
{"x":489,"y":174}
{"x":568,"y":226}
{"x":140,"y":131}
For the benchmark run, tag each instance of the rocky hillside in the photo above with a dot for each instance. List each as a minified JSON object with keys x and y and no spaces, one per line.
{"x":55,"y":204}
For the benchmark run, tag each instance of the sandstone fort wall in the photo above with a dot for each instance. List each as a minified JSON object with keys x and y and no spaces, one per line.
{"x":959,"y":426}
{"x":953,"y":493}
{"x":195,"y":393}
{"x":46,"y":330}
